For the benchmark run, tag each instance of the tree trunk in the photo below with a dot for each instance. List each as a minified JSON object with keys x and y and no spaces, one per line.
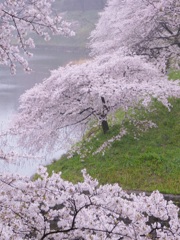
{"x":103,"y":116}
{"x":105,"y":126}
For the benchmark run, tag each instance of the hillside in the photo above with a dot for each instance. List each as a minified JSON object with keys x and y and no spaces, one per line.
{"x":141,"y":160}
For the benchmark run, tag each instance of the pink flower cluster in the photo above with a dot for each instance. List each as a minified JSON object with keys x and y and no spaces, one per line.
{"x":51,"y":208}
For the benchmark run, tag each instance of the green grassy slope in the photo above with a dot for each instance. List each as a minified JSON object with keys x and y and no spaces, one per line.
{"x":148,"y":163}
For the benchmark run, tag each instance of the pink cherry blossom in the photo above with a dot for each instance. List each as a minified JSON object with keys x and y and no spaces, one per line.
{"x":20,"y":18}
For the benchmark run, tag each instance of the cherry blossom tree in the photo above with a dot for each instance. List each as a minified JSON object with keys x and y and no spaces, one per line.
{"x":116,"y":78}
{"x":74,"y":94}
{"x":52,"y":208}
{"x":143,"y":27}
{"x":18,"y":20}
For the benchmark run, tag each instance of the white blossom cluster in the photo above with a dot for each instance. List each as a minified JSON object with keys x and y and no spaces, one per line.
{"x":20,"y":18}
{"x":143,"y":27}
{"x":51,"y":208}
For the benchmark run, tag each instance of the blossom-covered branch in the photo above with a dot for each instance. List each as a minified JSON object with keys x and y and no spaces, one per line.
{"x":18,"y":19}
{"x":51,"y":208}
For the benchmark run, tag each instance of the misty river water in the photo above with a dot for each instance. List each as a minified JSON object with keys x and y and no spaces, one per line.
{"x":45,"y":58}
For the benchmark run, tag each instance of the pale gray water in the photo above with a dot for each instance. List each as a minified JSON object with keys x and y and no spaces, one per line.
{"x":11,"y":87}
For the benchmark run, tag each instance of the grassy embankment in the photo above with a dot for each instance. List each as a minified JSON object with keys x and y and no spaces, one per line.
{"x":149,"y":163}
